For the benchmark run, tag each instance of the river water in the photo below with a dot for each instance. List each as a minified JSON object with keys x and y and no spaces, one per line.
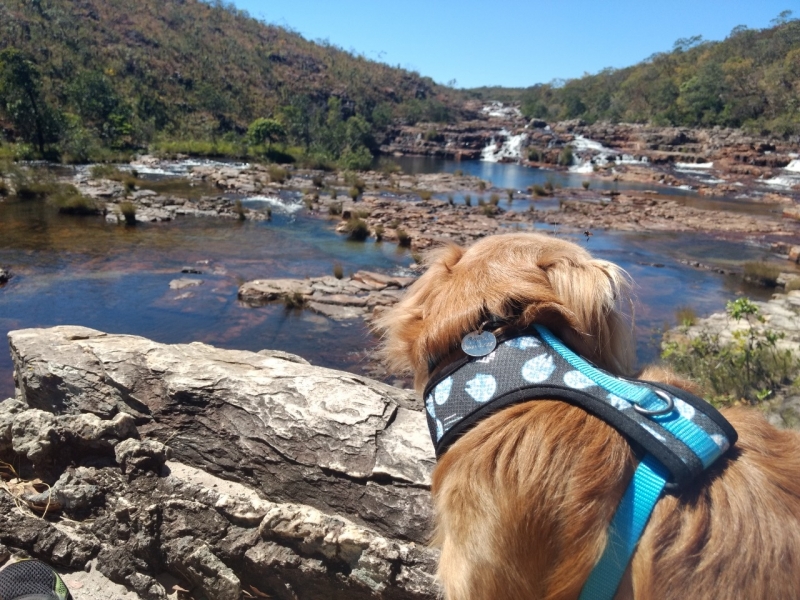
{"x":83,"y":271}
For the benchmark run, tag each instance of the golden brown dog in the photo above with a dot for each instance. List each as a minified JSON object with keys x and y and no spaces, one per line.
{"x":523,"y":500}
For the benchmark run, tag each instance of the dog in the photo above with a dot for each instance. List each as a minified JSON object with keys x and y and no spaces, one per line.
{"x":524,"y":498}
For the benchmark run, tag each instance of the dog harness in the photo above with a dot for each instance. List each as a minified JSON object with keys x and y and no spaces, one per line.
{"x":677,"y":434}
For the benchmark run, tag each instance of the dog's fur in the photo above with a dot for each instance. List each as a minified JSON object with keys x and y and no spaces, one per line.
{"x":523,"y":500}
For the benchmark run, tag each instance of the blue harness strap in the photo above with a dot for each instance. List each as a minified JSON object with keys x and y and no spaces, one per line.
{"x":625,"y":529}
{"x":678,"y":434}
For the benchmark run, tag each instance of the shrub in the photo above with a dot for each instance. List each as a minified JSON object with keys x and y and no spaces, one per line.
{"x":338,"y":270}
{"x":317,"y":181}
{"x":482,"y":185}
{"x":494,"y":199}
{"x":29,"y":184}
{"x":762,"y":273}
{"x":585,"y":184}
{"x":748,"y":368}
{"x":458,"y":173}
{"x":685,"y":316}
{"x":106,"y":172}
{"x":539,"y":191}
{"x":468,"y":200}
{"x":277,"y":174}
{"x":353,"y":193}
{"x":333,"y":193}
{"x":356,"y":229}
{"x":481,"y":201}
{"x":534,"y":155}
{"x":489,"y":210}
{"x":294,"y":300}
{"x":450,"y":200}
{"x":335,"y":209}
{"x":354,"y":181}
{"x":378,"y":231}
{"x":128,"y":211}
{"x":3,"y":188}
{"x":793,"y":284}
{"x":319,"y":162}
{"x":403,"y":239}
{"x":71,"y":202}
{"x":566,"y":156}
{"x":130,"y":183}
{"x":432,"y":135}
{"x":240,"y":210}
{"x":510,"y":194}
{"x":425,"y":194}
{"x":388,"y":166}
{"x":359,"y":159}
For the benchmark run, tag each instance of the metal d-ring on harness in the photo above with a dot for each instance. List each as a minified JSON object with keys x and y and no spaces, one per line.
{"x":677,"y":434}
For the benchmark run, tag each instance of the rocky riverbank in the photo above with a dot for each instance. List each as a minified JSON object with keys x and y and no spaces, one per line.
{"x":423,"y":223}
{"x":223,"y":472}
{"x":781,"y":315}
{"x":714,"y":161}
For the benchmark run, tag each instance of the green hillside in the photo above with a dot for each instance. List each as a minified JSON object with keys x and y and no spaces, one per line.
{"x":81,"y":77}
{"x":750,"y":80}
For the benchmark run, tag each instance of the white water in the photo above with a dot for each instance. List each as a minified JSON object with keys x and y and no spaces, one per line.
{"x":601,"y":156}
{"x":689,"y":167}
{"x":509,"y":149}
{"x":783,"y":181}
{"x":793,"y":167}
{"x":178,"y":167}
{"x":788,"y":181}
{"x":498,"y":110}
{"x":277,"y":203}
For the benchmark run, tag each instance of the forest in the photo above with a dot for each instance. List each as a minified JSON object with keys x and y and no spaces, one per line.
{"x":90,"y":79}
{"x":97,"y":80}
{"x":749,"y":80}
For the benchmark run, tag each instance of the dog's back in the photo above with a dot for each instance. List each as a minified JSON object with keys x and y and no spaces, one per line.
{"x":524,"y":499}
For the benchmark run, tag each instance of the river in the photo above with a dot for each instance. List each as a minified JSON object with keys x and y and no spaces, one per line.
{"x":83,"y":271}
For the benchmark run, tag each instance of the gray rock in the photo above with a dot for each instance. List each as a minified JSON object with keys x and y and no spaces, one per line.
{"x":289,"y":479}
{"x":296,"y":432}
{"x":267,"y":290}
{"x":134,"y":455}
{"x":184,"y":282}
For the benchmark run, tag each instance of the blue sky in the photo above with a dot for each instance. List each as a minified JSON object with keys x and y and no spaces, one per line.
{"x":512,"y":42}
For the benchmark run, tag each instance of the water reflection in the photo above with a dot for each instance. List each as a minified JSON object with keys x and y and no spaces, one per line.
{"x":84,"y":271}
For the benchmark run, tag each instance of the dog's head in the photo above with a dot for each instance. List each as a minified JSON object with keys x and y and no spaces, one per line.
{"x":516,"y":279}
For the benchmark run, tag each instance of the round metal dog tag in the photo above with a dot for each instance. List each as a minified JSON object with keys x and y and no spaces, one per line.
{"x":478,"y":344}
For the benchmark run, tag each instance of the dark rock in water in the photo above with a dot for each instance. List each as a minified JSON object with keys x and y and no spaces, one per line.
{"x":229,"y":470}
{"x":5,"y":275}
{"x":191,"y":270}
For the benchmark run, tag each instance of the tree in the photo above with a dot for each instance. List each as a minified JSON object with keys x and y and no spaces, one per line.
{"x":265,"y":131}
{"x":22,"y":101}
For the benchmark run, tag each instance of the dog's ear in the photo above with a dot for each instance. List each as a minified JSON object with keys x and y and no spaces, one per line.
{"x":596,"y":295}
{"x":404,"y":329}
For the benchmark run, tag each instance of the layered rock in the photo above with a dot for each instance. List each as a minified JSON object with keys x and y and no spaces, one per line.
{"x":225,"y":469}
{"x":357,"y":296}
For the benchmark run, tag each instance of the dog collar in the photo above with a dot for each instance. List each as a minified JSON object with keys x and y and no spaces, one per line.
{"x":678,"y":434}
